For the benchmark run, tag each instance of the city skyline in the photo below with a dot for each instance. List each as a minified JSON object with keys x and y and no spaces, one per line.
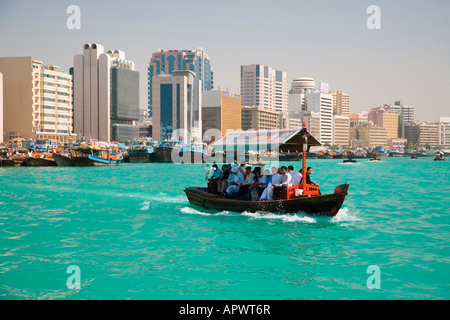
{"x":407,"y":59}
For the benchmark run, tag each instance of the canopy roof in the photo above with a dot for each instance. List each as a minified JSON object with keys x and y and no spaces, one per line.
{"x":283,"y":140}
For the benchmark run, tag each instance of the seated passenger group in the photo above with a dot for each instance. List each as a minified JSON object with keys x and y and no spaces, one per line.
{"x":245,"y":184}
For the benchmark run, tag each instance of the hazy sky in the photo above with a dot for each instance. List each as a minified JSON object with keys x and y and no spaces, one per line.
{"x":407,"y":59}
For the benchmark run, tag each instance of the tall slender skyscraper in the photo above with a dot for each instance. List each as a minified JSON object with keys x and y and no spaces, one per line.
{"x":264,"y":87}
{"x":168,"y":61}
{"x":177,"y":106}
{"x":341,"y":103}
{"x":299,"y":88}
{"x":106,"y":95}
{"x":322,"y":103}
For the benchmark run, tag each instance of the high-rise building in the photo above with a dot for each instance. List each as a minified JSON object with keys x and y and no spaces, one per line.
{"x":168,"y":61}
{"x":444,"y":132}
{"x":407,"y":112}
{"x":37,"y":100}
{"x":367,"y":135}
{"x":221,"y":110}
{"x":322,"y":103}
{"x":256,"y":118}
{"x":422,"y":134}
{"x":177,"y":106}
{"x":1,"y":107}
{"x":341,"y":103}
{"x":383,"y":117}
{"x":106,"y":95}
{"x":264,"y":87}
{"x":341,"y":128}
{"x":312,"y":121}
{"x":359,"y":118}
{"x":299,"y":88}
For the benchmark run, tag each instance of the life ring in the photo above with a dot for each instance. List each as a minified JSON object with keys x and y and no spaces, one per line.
{"x":9,"y":154}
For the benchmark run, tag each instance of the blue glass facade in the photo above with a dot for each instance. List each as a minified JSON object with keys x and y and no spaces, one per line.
{"x":166,"y":111}
{"x":124,"y":104}
{"x":169,"y":61}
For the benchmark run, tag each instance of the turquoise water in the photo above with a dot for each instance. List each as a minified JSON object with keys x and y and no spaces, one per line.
{"x":134,"y":235}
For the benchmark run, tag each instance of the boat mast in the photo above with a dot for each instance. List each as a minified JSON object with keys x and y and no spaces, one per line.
{"x":305,"y":147}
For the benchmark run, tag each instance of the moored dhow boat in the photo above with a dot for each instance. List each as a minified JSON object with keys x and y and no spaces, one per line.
{"x":193,"y":153}
{"x":142,"y":150}
{"x":163,"y":152}
{"x":302,"y":197}
{"x":6,"y":159}
{"x":19,"y":155}
{"x":62,"y":160}
{"x":39,"y":160}
{"x":90,"y":154}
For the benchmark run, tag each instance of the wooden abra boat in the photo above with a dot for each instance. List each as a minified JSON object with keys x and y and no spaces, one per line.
{"x":302,"y":197}
{"x":328,"y":205}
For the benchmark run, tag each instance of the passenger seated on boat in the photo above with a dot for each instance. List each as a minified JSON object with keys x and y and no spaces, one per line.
{"x":267,"y":193}
{"x":309,"y":171}
{"x":212,"y":181}
{"x":255,"y":188}
{"x":234,"y":180}
{"x":294,"y":175}
{"x":242,"y":170}
{"x":265,"y":179}
{"x":280,"y":190}
{"x":244,"y":188}
{"x":222,"y":184}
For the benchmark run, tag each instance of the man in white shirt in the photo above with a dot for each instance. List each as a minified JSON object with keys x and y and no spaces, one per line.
{"x":234,"y":181}
{"x":294,"y":175}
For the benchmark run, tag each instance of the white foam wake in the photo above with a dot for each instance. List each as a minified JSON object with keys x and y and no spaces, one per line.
{"x":344,"y":215}
{"x":283,"y":217}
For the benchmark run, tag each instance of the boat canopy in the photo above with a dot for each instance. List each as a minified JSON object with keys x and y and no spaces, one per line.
{"x":282,"y":140}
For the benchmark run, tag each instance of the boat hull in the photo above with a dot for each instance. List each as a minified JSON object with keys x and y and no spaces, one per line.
{"x":164,"y":154}
{"x":325,"y":156}
{"x":62,"y":160}
{"x":139,"y":157}
{"x":327,"y":205}
{"x":192,"y":156}
{"x":7,"y":162}
{"x":378,"y":155}
{"x":38,"y":162}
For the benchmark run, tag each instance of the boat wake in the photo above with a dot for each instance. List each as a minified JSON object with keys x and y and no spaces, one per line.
{"x":145,"y":205}
{"x":344,"y":215}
